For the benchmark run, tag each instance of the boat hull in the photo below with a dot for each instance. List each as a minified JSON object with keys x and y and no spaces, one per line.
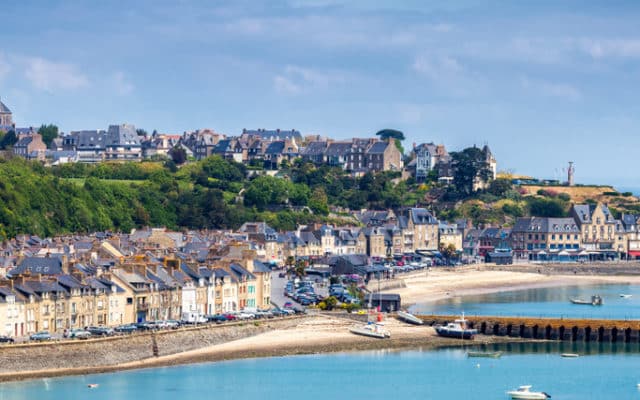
{"x":527,"y":396}
{"x":409,"y":318}
{"x":467,"y":334}
{"x":486,"y":354}
{"x":370,"y":333}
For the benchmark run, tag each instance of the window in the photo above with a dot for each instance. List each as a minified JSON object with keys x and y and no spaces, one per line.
{"x":553,"y":237}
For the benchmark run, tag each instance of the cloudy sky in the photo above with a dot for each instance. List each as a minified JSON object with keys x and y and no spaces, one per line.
{"x":541,"y":82}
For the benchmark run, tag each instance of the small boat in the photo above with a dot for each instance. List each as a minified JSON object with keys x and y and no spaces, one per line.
{"x":371,"y":330}
{"x":596,"y":300}
{"x":523,"y":393}
{"x":486,"y":354}
{"x":410,"y":318}
{"x":625,"y":296}
{"x":92,"y":385}
{"x":457,"y":329}
{"x":569,"y":355}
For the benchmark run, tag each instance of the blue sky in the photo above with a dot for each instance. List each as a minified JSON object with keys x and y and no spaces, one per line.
{"x":541,"y":82}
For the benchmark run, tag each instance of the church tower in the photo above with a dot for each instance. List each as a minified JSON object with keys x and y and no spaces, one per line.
{"x":6,"y":120}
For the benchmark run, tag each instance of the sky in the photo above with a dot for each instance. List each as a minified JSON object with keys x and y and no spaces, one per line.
{"x":541,"y":82}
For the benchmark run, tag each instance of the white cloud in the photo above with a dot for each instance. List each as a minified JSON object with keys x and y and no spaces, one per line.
{"x":284,"y":85}
{"x":552,"y":89}
{"x":121,"y":85}
{"x":437,"y":67}
{"x":296,"y":79}
{"x":600,"y":48}
{"x":50,"y":76}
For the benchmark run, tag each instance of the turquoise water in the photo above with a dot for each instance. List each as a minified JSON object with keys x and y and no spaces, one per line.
{"x":549,"y":302}
{"x":607,"y":373}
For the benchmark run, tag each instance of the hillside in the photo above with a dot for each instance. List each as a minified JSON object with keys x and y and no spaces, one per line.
{"x":579,"y":194}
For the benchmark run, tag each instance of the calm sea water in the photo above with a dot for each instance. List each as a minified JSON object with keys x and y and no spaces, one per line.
{"x":549,"y":302}
{"x":607,"y":373}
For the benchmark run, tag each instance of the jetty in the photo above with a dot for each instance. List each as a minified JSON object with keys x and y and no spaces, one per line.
{"x":562,"y":329}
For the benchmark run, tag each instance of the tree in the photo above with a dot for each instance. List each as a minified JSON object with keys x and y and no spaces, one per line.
{"x":141,"y":132}
{"x":8,"y":140}
{"x":469,"y":165}
{"x":448,"y":251}
{"x":397,"y":136}
{"x":318,"y":202}
{"x":178,"y":155}
{"x":48,"y":133}
{"x":500,"y":187}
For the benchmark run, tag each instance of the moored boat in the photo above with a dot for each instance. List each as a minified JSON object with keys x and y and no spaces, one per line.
{"x":596,"y":300}
{"x":625,"y":296}
{"x":92,"y":385}
{"x":410,"y":318}
{"x":371,"y":330}
{"x":457,"y":329}
{"x":524,"y":393}
{"x":569,"y":355}
{"x":487,"y":354}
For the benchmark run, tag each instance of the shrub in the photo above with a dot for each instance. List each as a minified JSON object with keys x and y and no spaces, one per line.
{"x":611,"y":194}
{"x":627,"y":194}
{"x":564,"y":197}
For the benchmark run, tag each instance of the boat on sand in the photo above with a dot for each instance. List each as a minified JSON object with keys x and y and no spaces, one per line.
{"x":371,"y":330}
{"x":410,"y":318}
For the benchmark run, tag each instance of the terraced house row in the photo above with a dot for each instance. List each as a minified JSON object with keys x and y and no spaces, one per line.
{"x":51,"y":293}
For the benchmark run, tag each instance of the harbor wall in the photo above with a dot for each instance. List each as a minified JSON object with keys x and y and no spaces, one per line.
{"x":117,"y":350}
{"x":563,"y":329}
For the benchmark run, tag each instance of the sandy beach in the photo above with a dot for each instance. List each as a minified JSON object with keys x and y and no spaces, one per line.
{"x":325,"y":333}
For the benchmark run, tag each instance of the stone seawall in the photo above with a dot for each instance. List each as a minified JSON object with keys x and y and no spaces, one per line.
{"x":96,"y":354}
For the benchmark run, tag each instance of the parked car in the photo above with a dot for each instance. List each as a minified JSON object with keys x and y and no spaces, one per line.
{"x":101,"y":331}
{"x":230,"y":317}
{"x":77,"y":333}
{"x":128,"y":328}
{"x":217,"y":318}
{"x":7,"y":339}
{"x":277,"y":312}
{"x":172,"y":324}
{"x":40,"y":336}
{"x":145,"y":326}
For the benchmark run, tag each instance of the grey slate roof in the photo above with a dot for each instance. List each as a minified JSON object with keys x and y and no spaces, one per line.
{"x":275,"y":148}
{"x":277,"y":134}
{"x":422,"y":216}
{"x":38,"y":265}
{"x":4,"y":109}
{"x":377,"y":148}
{"x":338,"y":149}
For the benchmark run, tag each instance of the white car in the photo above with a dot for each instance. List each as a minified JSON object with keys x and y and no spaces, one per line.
{"x":245,"y":315}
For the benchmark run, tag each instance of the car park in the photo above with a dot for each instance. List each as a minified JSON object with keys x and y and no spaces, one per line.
{"x":40,"y":336}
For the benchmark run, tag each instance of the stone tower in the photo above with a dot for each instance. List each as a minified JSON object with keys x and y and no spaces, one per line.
{"x":570,"y":172}
{"x":6,"y":120}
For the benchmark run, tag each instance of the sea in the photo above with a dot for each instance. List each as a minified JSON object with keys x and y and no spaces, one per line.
{"x":602,"y":371}
{"x":547,"y":302}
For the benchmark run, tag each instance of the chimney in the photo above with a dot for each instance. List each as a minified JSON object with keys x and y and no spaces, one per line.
{"x":247,"y":259}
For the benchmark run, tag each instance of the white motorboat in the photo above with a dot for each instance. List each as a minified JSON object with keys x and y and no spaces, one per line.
{"x":372,"y":330}
{"x":625,"y":296}
{"x":524,"y":393}
{"x":410,"y":318}
{"x":570,"y":355}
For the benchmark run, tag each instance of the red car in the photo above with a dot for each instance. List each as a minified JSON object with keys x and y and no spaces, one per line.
{"x":230,"y":317}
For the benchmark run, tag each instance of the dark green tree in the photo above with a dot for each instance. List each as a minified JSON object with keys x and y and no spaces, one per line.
{"x":392,"y":134}
{"x":468,"y":165}
{"x":500,"y":187}
{"x":141,"y":132}
{"x":8,"y":140}
{"x":178,"y":155}
{"x":48,"y":132}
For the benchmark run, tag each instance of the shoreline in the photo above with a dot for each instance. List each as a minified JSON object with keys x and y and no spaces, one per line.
{"x":323,"y":333}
